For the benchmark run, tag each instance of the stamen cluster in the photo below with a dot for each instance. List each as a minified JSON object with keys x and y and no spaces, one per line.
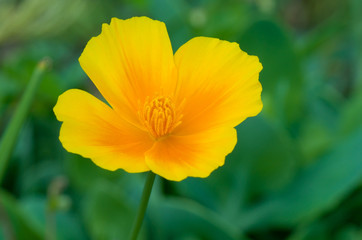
{"x":159,"y":116}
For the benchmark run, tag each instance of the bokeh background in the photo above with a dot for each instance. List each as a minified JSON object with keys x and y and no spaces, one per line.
{"x":295,"y":173}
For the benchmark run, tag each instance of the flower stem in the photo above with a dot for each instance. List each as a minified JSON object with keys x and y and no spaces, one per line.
{"x":143,"y":205}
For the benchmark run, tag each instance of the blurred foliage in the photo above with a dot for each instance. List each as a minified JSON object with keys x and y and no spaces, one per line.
{"x":296,"y":171}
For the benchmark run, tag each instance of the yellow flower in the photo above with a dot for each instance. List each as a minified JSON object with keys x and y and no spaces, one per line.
{"x":172,"y":114}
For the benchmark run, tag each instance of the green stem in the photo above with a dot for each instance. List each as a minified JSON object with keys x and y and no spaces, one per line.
{"x":12,"y":131}
{"x":143,"y":205}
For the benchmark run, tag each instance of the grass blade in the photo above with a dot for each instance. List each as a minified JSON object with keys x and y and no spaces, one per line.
{"x":11,"y":133}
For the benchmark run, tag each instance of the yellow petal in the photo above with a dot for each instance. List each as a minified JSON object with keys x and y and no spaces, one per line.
{"x":130,"y":60}
{"x":92,"y":129}
{"x":219,"y":83}
{"x":197,"y":155}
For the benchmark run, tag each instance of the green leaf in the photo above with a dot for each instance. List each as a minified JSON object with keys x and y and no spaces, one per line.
{"x":177,"y":218}
{"x":351,"y":118}
{"x":339,"y":223}
{"x":317,"y":188}
{"x":35,"y":207}
{"x":108,"y":214}
{"x":21,"y":223}
{"x":266,"y":149}
{"x":281,"y":76}
{"x":314,"y":139}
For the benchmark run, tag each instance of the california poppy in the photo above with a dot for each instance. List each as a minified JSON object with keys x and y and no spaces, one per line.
{"x":172,"y":114}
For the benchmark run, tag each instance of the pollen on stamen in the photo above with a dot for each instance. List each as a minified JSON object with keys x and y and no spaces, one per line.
{"x":160,"y":116}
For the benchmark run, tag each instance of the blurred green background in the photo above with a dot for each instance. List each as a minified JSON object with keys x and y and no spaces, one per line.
{"x":295,"y":173}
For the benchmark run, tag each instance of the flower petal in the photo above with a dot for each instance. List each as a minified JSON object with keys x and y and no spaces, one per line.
{"x":130,"y":60}
{"x":92,"y":129}
{"x":197,"y":155}
{"x":219,"y":83}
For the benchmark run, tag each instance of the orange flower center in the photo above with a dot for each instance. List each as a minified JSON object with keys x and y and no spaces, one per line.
{"x":159,"y":116}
